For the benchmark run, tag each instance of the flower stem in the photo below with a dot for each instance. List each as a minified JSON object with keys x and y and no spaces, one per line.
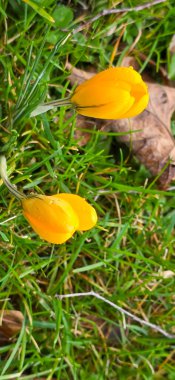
{"x":50,"y":105}
{"x":4,"y":176}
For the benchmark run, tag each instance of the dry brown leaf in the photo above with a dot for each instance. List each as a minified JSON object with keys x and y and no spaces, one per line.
{"x":10,"y":324}
{"x":151,"y":139}
{"x":78,"y":76}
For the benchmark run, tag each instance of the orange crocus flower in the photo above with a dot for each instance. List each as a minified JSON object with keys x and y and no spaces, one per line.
{"x":54,"y":218}
{"x":115,"y":93}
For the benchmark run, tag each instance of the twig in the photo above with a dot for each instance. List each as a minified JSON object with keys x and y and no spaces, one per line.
{"x":96,"y":295}
{"x":106,"y":12}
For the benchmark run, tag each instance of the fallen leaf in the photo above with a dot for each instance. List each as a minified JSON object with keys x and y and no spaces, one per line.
{"x":151,"y":139}
{"x":78,"y":76}
{"x":83,"y":123}
{"x":149,"y":134}
{"x":10,"y":324}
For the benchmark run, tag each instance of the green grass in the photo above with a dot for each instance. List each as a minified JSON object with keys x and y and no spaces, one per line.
{"x":127,"y":256}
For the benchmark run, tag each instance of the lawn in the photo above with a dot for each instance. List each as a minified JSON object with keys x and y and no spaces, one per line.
{"x":118,"y":321}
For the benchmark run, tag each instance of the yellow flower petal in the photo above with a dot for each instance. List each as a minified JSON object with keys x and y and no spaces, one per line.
{"x":55,"y":218}
{"x":52,"y":219}
{"x":87,"y":215}
{"x":112,"y":108}
{"x":111,"y":94}
{"x":138,"y":107}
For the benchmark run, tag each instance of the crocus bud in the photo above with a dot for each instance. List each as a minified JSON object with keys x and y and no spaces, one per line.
{"x":115,"y":93}
{"x":55,"y":218}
